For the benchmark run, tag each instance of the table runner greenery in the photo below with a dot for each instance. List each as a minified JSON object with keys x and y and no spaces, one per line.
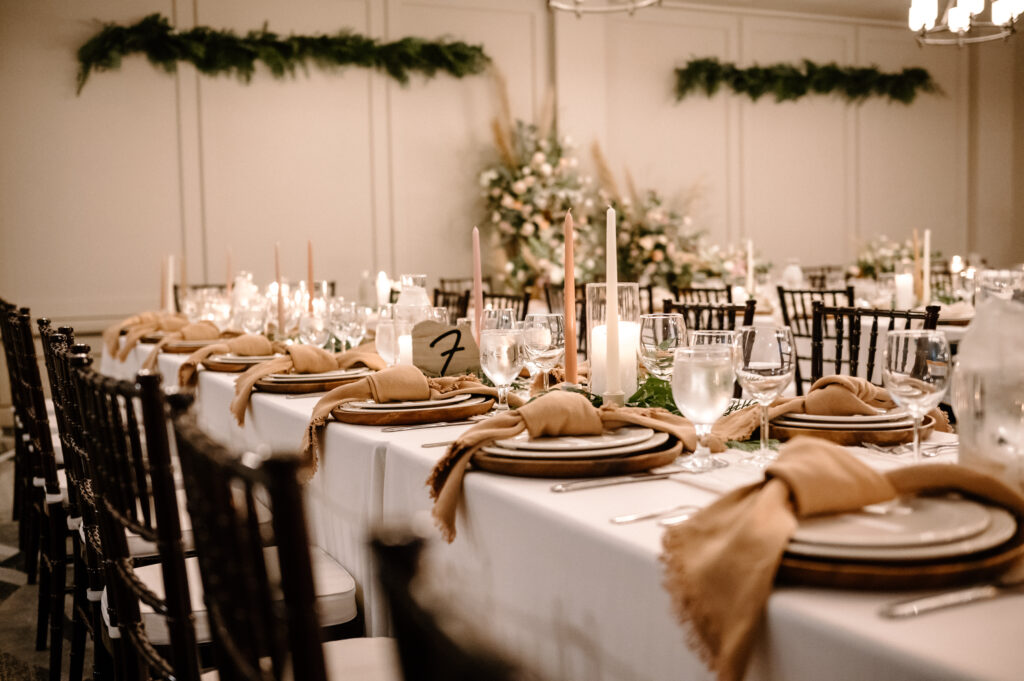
{"x":214,"y":52}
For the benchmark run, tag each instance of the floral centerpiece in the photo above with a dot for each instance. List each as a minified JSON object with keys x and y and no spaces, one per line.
{"x":881,"y":255}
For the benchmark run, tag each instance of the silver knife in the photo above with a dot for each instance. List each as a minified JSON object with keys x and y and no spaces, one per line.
{"x":418,"y":426}
{"x":949,"y":599}
{"x":575,"y":485}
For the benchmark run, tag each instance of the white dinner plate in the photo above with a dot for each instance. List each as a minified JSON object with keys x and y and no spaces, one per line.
{"x":324,"y":376}
{"x":888,"y":425}
{"x":627,"y":435}
{"x":231,"y":358}
{"x":412,"y":404}
{"x":453,"y":405}
{"x":931,"y":520}
{"x":1001,"y":528}
{"x":656,"y":440}
{"x":894,"y":415}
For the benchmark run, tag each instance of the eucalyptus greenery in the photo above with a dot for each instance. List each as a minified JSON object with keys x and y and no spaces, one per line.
{"x":215,"y":52}
{"x":791,"y":82}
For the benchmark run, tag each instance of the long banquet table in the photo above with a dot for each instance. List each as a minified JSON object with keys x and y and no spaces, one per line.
{"x":579,"y":598}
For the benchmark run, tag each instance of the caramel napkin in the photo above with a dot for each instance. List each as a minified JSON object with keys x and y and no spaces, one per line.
{"x":300,"y":359}
{"x":138,"y":326}
{"x":558,"y":412}
{"x":720,"y":564}
{"x":249,"y":345}
{"x":198,"y":331}
{"x":395,"y":384}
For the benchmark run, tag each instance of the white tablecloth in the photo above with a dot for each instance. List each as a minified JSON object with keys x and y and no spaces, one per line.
{"x":564,"y":590}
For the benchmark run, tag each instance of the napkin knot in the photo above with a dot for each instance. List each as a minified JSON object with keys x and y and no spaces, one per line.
{"x":561,"y":413}
{"x":309,"y":359}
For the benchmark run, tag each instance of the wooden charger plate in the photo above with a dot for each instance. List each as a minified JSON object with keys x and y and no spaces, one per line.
{"x":411,"y":417}
{"x":232,"y":367}
{"x":188,"y":347}
{"x":852,"y":438}
{"x":302,"y":388}
{"x":933,"y":574}
{"x":579,"y":468}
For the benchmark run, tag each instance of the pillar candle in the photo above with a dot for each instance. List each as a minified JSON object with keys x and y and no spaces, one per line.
{"x":280,"y":290}
{"x":629,"y":345}
{"x":478,"y":286}
{"x":570,"y":303}
{"x":309,"y":271}
{"x":383,"y":289}
{"x":405,"y":350}
{"x":904,"y":284}
{"x":613,"y":387}
{"x":926,"y":271}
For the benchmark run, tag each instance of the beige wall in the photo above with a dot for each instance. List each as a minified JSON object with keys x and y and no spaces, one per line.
{"x":94,"y":189}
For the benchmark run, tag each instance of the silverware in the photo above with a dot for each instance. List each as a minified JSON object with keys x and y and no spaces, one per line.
{"x":647,"y":515}
{"x":576,"y":485}
{"x":950,"y":599}
{"x":438,"y":444}
{"x":674,"y":520}
{"x":418,"y":426}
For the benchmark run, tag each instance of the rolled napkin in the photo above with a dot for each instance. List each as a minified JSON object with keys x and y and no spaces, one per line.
{"x":138,"y":326}
{"x":249,"y":345}
{"x":197,"y":331}
{"x":395,"y":384}
{"x":300,"y":359}
{"x":558,"y":412}
{"x":721,"y":563}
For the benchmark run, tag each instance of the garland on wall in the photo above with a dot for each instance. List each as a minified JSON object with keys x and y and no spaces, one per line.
{"x":215,"y":52}
{"x":789,"y":82}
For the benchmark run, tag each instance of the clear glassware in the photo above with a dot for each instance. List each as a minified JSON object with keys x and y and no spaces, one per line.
{"x":251,"y":314}
{"x":502,"y":356}
{"x":314,"y":330}
{"x":660,"y":335}
{"x":702,"y":383}
{"x":355,"y":327}
{"x":712,"y":337}
{"x":916,"y":370}
{"x":544,"y":337}
{"x":439,"y":314}
{"x":764,"y":364}
{"x":387,"y":341}
{"x":498,"y":318}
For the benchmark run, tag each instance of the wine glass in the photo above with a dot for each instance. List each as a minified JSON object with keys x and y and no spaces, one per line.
{"x":251,"y":314}
{"x":915,"y":369}
{"x":354,"y":329}
{"x":702,"y":382}
{"x":764,"y":364}
{"x":544,"y":338}
{"x":502,"y":355}
{"x":660,"y":335}
{"x":313,"y":330}
{"x":712,"y":337}
{"x":498,"y":318}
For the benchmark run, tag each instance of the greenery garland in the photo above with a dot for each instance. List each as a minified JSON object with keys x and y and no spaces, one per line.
{"x":789,"y":82}
{"x":215,"y":52}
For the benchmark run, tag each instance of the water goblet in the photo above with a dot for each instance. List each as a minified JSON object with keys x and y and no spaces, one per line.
{"x":502,"y":355}
{"x":498,"y":318}
{"x":712,"y":337}
{"x":916,"y":370}
{"x":544,"y":338}
{"x":702,"y":383}
{"x":764,"y":364}
{"x":660,"y":335}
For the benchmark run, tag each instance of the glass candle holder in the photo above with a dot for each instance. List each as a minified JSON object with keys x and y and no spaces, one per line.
{"x":597,"y":336}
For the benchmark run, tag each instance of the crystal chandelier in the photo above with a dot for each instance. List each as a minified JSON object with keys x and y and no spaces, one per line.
{"x":579,"y":7}
{"x":961,"y":22}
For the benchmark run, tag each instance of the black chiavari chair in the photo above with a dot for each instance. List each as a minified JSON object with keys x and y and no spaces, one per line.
{"x":821,"y":276}
{"x":27,"y":532}
{"x":847,"y":337}
{"x":263,"y":611}
{"x":503,"y":300}
{"x":707,"y":294}
{"x":456,"y":303}
{"x":460,"y":284}
{"x":797,"y":307}
{"x":554,"y":296}
{"x":712,"y":316}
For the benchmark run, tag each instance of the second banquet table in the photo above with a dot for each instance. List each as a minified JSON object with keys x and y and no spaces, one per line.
{"x":571,"y":594}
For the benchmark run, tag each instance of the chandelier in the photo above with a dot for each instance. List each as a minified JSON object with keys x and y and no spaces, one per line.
{"x":579,"y":7}
{"x":960,"y":23}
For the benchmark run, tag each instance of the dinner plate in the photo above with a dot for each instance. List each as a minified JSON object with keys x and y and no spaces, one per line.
{"x":886,"y":425}
{"x":627,"y":435}
{"x":232,"y":358}
{"x":196,"y":344}
{"x":473,"y":399}
{"x":931,"y":520}
{"x":894,"y":415}
{"x":323,"y":376}
{"x":1002,"y":527}
{"x":411,"y":404}
{"x":656,"y":440}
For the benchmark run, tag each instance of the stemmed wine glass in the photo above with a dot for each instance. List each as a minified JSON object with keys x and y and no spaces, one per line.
{"x":544,"y":338}
{"x":502,"y":355}
{"x":702,"y":383}
{"x":660,"y":335}
{"x":763,"y":360}
{"x":498,"y":318}
{"x":712,"y":337}
{"x":916,"y":369}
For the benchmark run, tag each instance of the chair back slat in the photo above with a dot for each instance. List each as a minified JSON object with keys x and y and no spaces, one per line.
{"x":457,"y":303}
{"x":797,"y":308}
{"x":706,"y":294}
{"x":460,"y":284}
{"x":502,"y":300}
{"x":712,"y":316}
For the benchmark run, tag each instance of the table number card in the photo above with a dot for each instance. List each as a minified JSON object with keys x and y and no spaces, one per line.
{"x":444,"y":350}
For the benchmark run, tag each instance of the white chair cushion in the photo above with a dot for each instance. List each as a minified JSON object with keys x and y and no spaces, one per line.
{"x":365,"y":659}
{"x":335,"y":593}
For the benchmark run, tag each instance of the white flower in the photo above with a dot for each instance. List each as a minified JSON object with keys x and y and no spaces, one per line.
{"x":506,"y":227}
{"x":507,"y":201}
{"x":573,"y":162}
{"x":527,"y":210}
{"x":538,"y":158}
{"x":647,"y":242}
{"x":508,"y":266}
{"x":495,"y":216}
{"x":526,"y":170}
{"x":556,"y":275}
{"x":519,"y":187}
{"x":527,"y":229}
{"x":545,"y":169}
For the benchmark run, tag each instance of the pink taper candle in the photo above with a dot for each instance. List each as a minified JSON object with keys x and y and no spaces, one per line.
{"x":570,"y":303}
{"x":478,"y":286}
{"x":309,"y":270}
{"x":280,"y":290}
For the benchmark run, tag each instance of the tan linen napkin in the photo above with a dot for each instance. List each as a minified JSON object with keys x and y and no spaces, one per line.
{"x":395,"y":384}
{"x":197,"y":331}
{"x":720,"y":564}
{"x":138,"y":326}
{"x":300,"y":359}
{"x":249,"y":345}
{"x":558,"y":412}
